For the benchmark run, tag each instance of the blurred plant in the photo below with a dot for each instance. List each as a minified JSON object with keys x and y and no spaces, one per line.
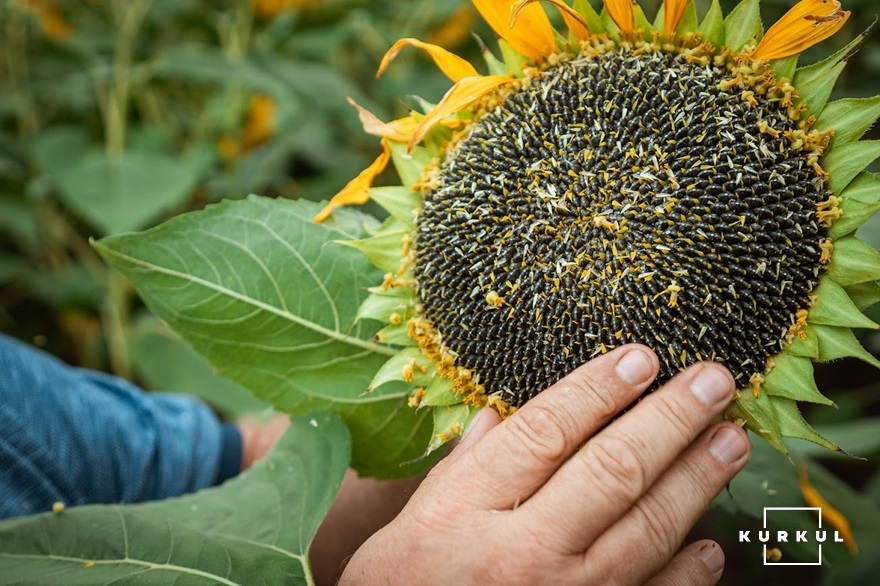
{"x":120,"y":114}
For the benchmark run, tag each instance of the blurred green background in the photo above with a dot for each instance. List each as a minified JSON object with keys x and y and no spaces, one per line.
{"x":118,"y":114}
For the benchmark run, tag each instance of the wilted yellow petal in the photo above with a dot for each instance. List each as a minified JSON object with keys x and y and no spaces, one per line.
{"x":674,"y":10}
{"x":807,"y":23}
{"x":532,"y":36}
{"x":400,"y":130}
{"x":829,"y":514}
{"x":459,"y":97}
{"x":621,"y":12}
{"x":358,"y":189}
{"x":573,"y":19}
{"x":453,"y":66}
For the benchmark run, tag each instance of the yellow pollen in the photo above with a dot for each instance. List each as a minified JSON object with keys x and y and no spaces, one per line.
{"x":827,"y":248}
{"x":755,"y":382}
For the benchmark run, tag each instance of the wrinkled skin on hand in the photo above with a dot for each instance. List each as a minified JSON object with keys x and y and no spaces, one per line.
{"x":556,"y":494}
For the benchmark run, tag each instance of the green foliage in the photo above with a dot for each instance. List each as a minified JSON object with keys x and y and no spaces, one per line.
{"x":255,"y":529}
{"x":164,"y":361}
{"x":270,"y":298}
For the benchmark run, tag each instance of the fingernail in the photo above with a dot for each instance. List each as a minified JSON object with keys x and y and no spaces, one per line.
{"x":472,"y":424}
{"x":713,"y":557}
{"x":635,"y":367}
{"x":728,"y":445}
{"x":712,"y":386}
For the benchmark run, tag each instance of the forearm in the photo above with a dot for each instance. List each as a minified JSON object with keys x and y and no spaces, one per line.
{"x":83,"y":437}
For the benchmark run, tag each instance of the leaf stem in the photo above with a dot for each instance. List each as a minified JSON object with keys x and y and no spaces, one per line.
{"x":14,"y":48}
{"x":128,"y":16}
{"x":115,"y":317}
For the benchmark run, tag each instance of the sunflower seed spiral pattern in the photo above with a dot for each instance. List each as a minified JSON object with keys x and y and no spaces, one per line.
{"x":619,"y":198}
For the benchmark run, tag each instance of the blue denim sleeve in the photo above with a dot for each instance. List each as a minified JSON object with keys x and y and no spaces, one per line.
{"x":79,"y":437}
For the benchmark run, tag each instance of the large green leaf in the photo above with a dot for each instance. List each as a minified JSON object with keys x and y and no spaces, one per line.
{"x":167,"y":363}
{"x":270,"y":299}
{"x":255,"y":529}
{"x":116,"y":193}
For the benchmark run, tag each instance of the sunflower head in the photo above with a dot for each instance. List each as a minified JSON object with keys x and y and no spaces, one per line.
{"x":679,"y":183}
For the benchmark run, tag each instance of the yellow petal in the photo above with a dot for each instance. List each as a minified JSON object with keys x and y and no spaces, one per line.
{"x":621,"y":12}
{"x":807,"y":23}
{"x":532,"y":36}
{"x":830,"y":515}
{"x":453,"y":66}
{"x":573,"y":19}
{"x":400,"y":130}
{"x":674,"y":11}
{"x":459,"y":97}
{"x":358,"y":189}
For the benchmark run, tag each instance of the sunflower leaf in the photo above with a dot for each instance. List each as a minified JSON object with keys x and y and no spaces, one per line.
{"x":260,"y":290}
{"x":450,"y":422}
{"x":380,"y":305}
{"x":689,"y":21}
{"x":610,"y":26}
{"x":408,"y":359}
{"x":383,"y":251}
{"x":439,"y":393}
{"x":409,"y":165}
{"x":845,"y":162}
{"x":785,"y":67}
{"x":743,"y":25}
{"x":494,"y":65}
{"x":594,"y":23}
{"x":864,"y":295}
{"x":853,"y":262}
{"x":512,"y":60}
{"x":792,"y":378}
{"x":712,"y":27}
{"x":814,"y":83}
{"x":865,"y":187}
{"x":836,"y":343}
{"x":833,"y":307}
{"x":758,"y":416}
{"x":854,"y":213}
{"x":808,"y":346}
{"x":849,"y":118}
{"x":792,"y":424}
{"x":395,"y":335}
{"x":641,"y":22}
{"x":400,"y":202}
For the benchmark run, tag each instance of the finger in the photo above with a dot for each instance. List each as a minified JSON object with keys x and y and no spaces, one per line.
{"x":699,"y":564}
{"x":616,"y":467}
{"x":485,"y":419}
{"x":660,"y":521}
{"x":515,"y":458}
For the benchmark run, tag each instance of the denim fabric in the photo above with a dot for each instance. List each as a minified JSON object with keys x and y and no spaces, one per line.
{"x":76,"y":436}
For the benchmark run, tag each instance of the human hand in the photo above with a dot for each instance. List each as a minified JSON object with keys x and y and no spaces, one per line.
{"x":527,"y":501}
{"x":258,"y":437}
